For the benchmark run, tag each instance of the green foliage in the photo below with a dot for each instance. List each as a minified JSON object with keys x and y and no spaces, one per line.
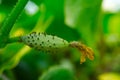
{"x":8,"y":24}
{"x":58,"y":73}
{"x":10,"y":60}
{"x":71,"y":20}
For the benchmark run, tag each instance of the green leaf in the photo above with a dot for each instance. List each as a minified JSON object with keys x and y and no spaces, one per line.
{"x":11,"y":55}
{"x":58,"y":73}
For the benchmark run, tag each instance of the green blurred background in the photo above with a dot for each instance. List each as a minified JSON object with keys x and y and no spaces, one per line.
{"x":94,"y":22}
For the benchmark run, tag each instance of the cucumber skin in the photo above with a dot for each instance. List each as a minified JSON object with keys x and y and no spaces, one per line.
{"x":45,"y":42}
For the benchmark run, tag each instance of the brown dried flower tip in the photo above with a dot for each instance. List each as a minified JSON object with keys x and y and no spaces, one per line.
{"x":86,"y":51}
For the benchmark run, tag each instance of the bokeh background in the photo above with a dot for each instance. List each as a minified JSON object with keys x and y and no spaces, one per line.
{"x":96,"y":23}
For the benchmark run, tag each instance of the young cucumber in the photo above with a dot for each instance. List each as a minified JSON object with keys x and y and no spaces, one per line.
{"x":42,"y":41}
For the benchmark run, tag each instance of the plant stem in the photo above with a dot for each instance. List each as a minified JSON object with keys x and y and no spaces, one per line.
{"x":9,"y":22}
{"x":14,"y":39}
{"x":13,"y":16}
